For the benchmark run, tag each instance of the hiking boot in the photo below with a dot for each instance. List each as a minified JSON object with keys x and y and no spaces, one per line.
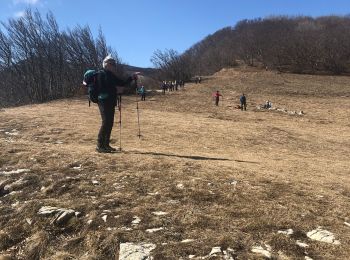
{"x":110,"y":148}
{"x":101,"y":149}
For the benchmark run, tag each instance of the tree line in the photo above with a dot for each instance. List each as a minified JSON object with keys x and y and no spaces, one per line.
{"x":294,"y":44}
{"x":39,"y":62}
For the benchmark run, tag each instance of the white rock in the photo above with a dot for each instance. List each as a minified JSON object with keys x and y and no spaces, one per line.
{"x":153,"y":193}
{"x":77,"y":167}
{"x":215,"y":250}
{"x":180,"y":186}
{"x":234,"y":183}
{"x":152,"y":230}
{"x":191,"y":256}
{"x":301,"y":244}
{"x":263,"y":251}
{"x":89,"y":221}
{"x":14,"y":171}
{"x":322,"y":235}
{"x":94,"y":182}
{"x":136,"y":221}
{"x":308,"y":258}
{"x":287,"y":232}
{"x":125,"y":228}
{"x":131,"y":251}
{"x":159,"y":213}
{"x":347,"y":224}
{"x":187,"y":241}
{"x":29,"y":221}
{"x":104,"y":217}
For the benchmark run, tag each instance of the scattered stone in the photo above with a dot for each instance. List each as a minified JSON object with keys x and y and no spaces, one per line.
{"x":191,"y":256}
{"x":58,"y":142}
{"x":159,"y":213}
{"x":125,"y":228}
{"x":308,"y":258}
{"x":301,"y":244}
{"x":266,"y":252}
{"x":187,"y":241}
{"x":322,"y":235}
{"x":233,"y":182}
{"x":287,"y":232}
{"x":180,"y":186}
{"x":347,"y":224}
{"x":104,"y":218}
{"x":152,"y":230}
{"x":14,"y":205}
{"x":136,"y":221}
{"x":94,"y":182}
{"x":77,"y":167}
{"x":153,"y":193}
{"x":173,"y":201}
{"x":131,"y":251}
{"x":61,"y":215}
{"x":29,"y":221}
{"x":14,"y":171}
{"x":64,"y":217}
{"x":215,"y":250}
{"x":13,"y":132}
{"x":89,"y":221}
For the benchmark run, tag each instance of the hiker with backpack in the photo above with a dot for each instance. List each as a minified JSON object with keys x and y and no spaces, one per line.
{"x":142,"y":92}
{"x":103,"y":87}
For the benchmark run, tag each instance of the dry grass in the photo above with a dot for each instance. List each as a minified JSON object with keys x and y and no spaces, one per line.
{"x":291,"y":171}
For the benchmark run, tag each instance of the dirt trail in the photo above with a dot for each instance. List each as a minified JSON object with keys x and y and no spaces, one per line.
{"x":224,"y":177}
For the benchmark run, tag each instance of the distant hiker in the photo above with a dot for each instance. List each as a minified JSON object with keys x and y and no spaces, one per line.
{"x":107,"y":100}
{"x":142,"y":92}
{"x":243,"y":101}
{"x":164,"y":87}
{"x":217,"y":96}
{"x":199,"y":79}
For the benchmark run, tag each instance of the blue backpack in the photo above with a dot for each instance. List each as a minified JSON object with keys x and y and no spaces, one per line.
{"x":92,"y":80}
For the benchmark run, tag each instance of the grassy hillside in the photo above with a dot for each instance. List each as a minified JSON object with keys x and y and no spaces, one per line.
{"x":222,"y":177}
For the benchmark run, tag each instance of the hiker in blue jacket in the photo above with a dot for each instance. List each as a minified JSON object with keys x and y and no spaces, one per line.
{"x":107,"y":100}
{"x":243,"y":101}
{"x":142,"y":92}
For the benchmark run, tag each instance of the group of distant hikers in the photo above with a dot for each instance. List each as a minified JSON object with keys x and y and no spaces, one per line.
{"x":105,"y":89}
{"x":172,"y":85}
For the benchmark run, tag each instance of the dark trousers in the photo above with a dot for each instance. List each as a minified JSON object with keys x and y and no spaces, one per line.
{"x":243,"y":105}
{"x":107,"y":110}
{"x":143,"y":97}
{"x":217,"y":101}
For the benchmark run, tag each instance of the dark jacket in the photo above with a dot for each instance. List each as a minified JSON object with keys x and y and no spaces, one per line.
{"x":109,"y":83}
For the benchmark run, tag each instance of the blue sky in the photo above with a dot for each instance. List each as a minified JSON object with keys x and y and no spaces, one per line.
{"x":136,"y":28}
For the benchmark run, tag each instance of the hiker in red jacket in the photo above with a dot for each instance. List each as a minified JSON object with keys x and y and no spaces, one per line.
{"x":217,"y":96}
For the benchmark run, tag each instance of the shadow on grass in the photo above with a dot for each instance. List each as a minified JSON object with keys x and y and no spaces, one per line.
{"x":192,"y":157}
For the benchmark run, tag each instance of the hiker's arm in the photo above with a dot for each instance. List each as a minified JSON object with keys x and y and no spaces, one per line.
{"x":121,"y":82}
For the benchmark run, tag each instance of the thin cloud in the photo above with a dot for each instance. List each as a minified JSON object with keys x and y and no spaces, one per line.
{"x":19,"y":14}
{"x":30,"y":2}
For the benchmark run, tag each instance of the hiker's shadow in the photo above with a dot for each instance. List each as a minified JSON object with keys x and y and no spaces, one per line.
{"x":192,"y":157}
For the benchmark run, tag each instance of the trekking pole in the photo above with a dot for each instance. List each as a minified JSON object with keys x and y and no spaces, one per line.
{"x":138,"y":114}
{"x":120,"y":121}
